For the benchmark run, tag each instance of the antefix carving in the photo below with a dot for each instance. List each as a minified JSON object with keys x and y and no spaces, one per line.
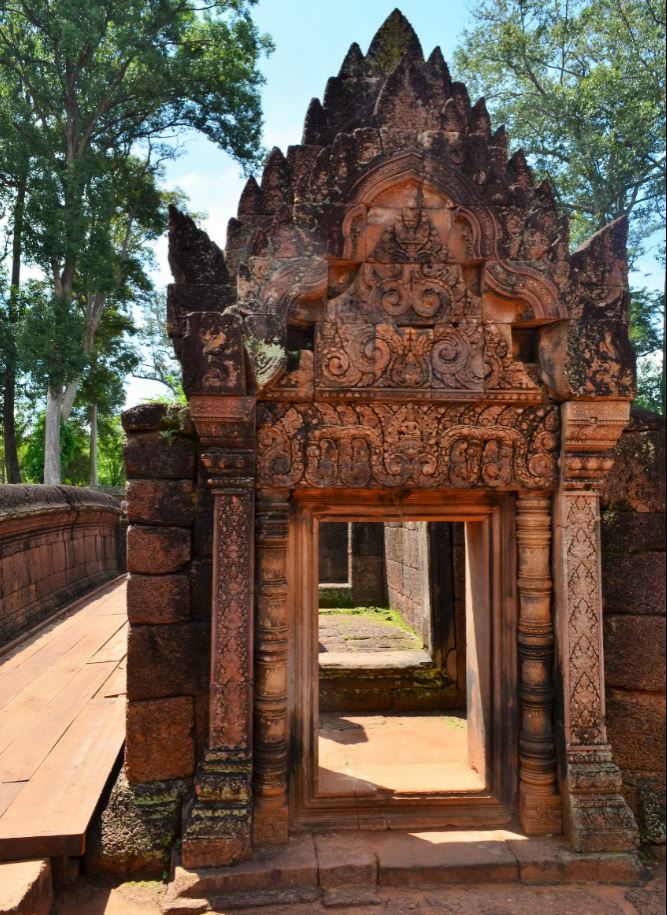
{"x":425,"y":446}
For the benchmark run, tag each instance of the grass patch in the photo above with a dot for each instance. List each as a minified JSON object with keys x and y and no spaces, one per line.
{"x":387,"y":615}
{"x":335,"y":598}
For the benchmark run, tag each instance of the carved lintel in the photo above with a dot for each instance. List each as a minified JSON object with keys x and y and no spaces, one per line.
{"x":596,"y":815}
{"x":270,"y":822}
{"x":590,"y":432}
{"x":539,"y":801}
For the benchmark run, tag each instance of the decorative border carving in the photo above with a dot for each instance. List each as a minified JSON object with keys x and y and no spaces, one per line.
{"x":407,"y":445}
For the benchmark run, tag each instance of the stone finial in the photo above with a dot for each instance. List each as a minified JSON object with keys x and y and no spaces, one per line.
{"x":276,"y":186}
{"x":251,"y":201}
{"x":518,"y":171}
{"x":193,"y":257}
{"x":404,"y":98}
{"x":316,"y":130}
{"x":479,"y":122}
{"x":393,"y":40}
{"x":354,"y":63}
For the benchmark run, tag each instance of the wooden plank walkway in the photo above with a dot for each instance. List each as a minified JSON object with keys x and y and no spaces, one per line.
{"x":62,"y":726}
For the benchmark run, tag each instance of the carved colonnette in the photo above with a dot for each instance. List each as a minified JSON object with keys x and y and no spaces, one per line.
{"x":219,"y":826}
{"x":539,"y":800}
{"x":270,"y":817}
{"x":597,"y":817}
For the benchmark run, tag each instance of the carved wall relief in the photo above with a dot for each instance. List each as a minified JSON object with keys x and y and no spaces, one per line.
{"x":420,"y":445}
{"x":462,"y":361}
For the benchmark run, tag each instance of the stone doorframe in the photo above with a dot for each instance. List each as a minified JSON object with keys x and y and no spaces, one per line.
{"x":241,"y":784}
{"x":492,"y":692}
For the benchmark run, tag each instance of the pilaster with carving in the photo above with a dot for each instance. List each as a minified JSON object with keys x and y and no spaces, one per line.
{"x":270,"y":818}
{"x":539,"y":801}
{"x":597,"y":817}
{"x":218,"y":830}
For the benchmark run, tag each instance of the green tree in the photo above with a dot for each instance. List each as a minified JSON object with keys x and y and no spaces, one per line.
{"x":100,"y":80}
{"x":580,"y":85}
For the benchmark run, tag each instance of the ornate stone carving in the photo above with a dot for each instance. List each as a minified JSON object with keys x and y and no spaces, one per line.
{"x":270,"y":822}
{"x":539,"y":802}
{"x":591,"y":431}
{"x":218,"y":829}
{"x":412,"y":239}
{"x":389,"y":445}
{"x":406,"y":294}
{"x":451,"y":361}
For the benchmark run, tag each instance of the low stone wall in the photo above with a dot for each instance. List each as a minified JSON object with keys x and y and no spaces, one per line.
{"x":406,"y":561}
{"x":56,"y":542}
{"x":633,"y":583}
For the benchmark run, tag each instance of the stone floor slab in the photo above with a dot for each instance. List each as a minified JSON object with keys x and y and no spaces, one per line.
{"x":26,"y":888}
{"x":437,"y":858}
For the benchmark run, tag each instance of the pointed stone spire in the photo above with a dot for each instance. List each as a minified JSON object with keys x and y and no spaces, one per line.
{"x":316,"y":126}
{"x":193,"y":257}
{"x":354,"y":63}
{"x":436,"y":67}
{"x":452,"y":119}
{"x":251,"y":202}
{"x":479,"y":121}
{"x":275,"y":185}
{"x":518,"y":171}
{"x":404,"y":99}
{"x":393,"y":40}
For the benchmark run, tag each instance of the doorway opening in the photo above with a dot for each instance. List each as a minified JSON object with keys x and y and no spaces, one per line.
{"x":392,"y":659}
{"x":396,"y":700}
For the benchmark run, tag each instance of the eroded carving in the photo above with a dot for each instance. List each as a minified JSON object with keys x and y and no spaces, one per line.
{"x":420,"y":445}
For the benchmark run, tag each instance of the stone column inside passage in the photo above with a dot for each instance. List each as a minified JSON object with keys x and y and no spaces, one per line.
{"x":596,"y":815}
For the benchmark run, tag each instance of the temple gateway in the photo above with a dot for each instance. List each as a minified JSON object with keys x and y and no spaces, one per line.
{"x":396,"y":340}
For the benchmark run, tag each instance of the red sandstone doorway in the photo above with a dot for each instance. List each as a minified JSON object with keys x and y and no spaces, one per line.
{"x":478,"y":784}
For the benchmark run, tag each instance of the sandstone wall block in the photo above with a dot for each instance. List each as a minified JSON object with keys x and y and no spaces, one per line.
{"x":157,"y":550}
{"x":634,"y":652}
{"x":158,"y":599}
{"x":159,"y":455}
{"x":160,"y":502}
{"x":160,"y":739}
{"x":164,"y":661}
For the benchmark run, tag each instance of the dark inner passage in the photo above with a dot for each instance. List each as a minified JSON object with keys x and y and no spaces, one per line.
{"x":392,"y":659}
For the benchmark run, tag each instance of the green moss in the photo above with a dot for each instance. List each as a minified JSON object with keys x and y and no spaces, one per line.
{"x":383,"y":615}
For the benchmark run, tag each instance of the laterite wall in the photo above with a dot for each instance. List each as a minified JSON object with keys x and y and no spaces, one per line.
{"x":56,"y":542}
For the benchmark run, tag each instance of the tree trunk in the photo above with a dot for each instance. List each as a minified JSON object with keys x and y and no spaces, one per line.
{"x":9,"y":375}
{"x":52,"y":471}
{"x":93,"y":445}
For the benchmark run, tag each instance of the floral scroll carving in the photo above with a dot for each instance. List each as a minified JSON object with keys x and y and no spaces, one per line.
{"x":462,"y":360}
{"x":418,"y":445}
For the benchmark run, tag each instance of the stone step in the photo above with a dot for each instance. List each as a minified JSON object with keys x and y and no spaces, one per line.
{"x":26,"y":887}
{"x":349,"y":868}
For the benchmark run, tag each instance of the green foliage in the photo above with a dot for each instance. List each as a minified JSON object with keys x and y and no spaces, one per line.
{"x":50,"y":337}
{"x":74,"y":455}
{"x":580,"y":85}
{"x":111,"y":460}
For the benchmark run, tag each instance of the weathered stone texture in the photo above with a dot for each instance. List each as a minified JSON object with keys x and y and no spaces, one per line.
{"x":157,"y":550}
{"x":160,"y":502}
{"x":134,"y":833}
{"x":635,"y":652}
{"x":165,"y":661}
{"x":160,"y":739}
{"x":159,"y":455}
{"x":158,"y":598}
{"x":633,"y":578}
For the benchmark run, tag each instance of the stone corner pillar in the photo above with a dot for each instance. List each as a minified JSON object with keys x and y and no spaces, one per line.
{"x":218,"y":830}
{"x":596,"y":816}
